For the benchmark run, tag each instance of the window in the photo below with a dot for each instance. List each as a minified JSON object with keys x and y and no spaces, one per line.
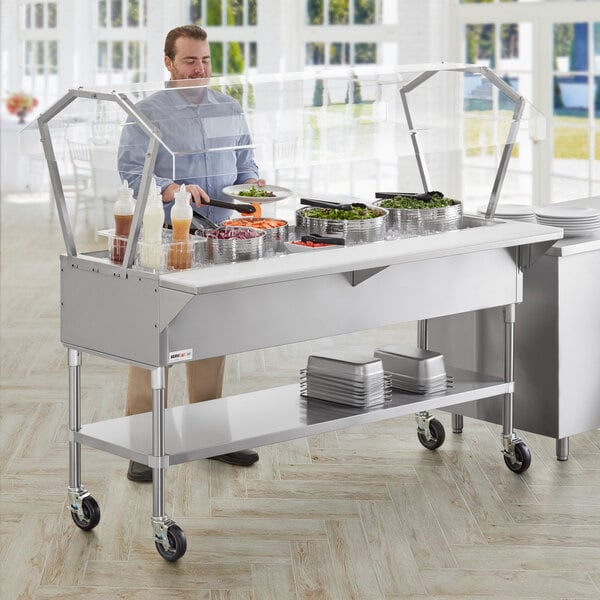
{"x":124,"y":60}
{"x":228,"y":57}
{"x":211,"y":13}
{"x":41,"y":67}
{"x":576,"y":106}
{"x":232,"y":58}
{"x":120,"y":62}
{"x":121,"y":13}
{"x":344,"y":12}
{"x":39,"y":50}
{"x":340,"y":53}
{"x":563,"y":83}
{"x":40,"y":15}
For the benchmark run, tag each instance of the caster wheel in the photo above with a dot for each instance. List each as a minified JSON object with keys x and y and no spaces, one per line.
{"x":91,"y":514}
{"x":177,"y":544}
{"x":438,"y":435}
{"x":523,"y":459}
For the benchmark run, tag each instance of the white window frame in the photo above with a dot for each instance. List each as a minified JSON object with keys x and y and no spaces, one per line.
{"x":542,"y":19}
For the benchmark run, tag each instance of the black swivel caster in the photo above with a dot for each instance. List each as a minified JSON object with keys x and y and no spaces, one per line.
{"x":522,"y":458}
{"x":177,"y":544}
{"x":89,"y":516}
{"x":436,"y":437}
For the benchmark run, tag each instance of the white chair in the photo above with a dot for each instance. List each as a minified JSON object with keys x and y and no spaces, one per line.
{"x":106,"y":182}
{"x":81,"y":163}
{"x":96,"y":181}
{"x":285,"y":155}
{"x":291,"y":157}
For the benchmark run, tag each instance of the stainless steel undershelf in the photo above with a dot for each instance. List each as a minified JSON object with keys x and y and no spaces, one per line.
{"x":195,"y":431}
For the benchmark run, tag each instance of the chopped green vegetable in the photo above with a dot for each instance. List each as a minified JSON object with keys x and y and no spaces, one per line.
{"x":254,"y":192}
{"x":344,"y":215}
{"x":409,"y":202}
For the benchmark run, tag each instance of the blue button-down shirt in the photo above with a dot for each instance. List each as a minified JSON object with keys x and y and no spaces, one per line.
{"x":204,"y":141}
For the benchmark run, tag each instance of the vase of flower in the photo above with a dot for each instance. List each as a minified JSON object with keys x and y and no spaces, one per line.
{"x":21,"y":104}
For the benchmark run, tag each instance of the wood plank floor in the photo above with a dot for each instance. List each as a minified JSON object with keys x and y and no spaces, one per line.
{"x":364,"y":513}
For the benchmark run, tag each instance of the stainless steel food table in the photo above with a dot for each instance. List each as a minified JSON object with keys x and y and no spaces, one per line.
{"x":154,"y":321}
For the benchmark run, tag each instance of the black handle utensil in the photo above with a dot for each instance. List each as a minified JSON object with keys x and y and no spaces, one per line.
{"x":317,"y":238}
{"x":328,"y":204}
{"x":241,"y":208}
{"x":425,"y":196}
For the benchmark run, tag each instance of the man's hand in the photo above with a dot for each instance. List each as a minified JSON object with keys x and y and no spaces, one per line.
{"x":199,"y":196}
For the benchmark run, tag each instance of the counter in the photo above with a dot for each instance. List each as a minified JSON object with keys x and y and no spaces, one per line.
{"x":557,"y":343}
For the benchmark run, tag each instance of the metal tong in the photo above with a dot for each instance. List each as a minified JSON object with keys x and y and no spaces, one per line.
{"x":317,"y":238}
{"x":199,"y":221}
{"x":328,"y":204}
{"x":425,"y":196}
{"x":241,"y":208}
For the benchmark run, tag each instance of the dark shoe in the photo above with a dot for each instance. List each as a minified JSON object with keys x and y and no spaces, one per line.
{"x":138,"y":472}
{"x":241,"y":458}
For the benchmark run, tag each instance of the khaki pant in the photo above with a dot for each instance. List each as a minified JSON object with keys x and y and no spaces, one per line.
{"x":204,"y":382}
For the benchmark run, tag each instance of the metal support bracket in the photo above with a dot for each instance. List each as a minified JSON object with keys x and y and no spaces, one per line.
{"x":357,"y":277}
{"x":160,"y":525}
{"x":508,"y":446}
{"x":76,"y":497}
{"x":423,"y":419}
{"x":528,"y":255}
{"x":158,"y":462}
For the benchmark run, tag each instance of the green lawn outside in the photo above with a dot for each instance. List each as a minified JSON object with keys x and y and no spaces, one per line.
{"x":483,"y":132}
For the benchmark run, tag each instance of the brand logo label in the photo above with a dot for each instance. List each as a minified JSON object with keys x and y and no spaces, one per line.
{"x":180,"y":355}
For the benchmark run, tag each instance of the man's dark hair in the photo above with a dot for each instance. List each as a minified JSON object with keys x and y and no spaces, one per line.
{"x":189,"y":31}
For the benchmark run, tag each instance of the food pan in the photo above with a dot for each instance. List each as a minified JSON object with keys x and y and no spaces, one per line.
{"x":233,"y":248}
{"x":353,"y":230}
{"x":422,"y":366}
{"x":275,"y":230}
{"x":344,"y":365}
{"x":422,"y":221}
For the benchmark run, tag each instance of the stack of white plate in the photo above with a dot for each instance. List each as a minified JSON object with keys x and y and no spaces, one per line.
{"x":414,"y":369}
{"x":511,"y":212}
{"x":574,"y":220}
{"x":345,"y":379}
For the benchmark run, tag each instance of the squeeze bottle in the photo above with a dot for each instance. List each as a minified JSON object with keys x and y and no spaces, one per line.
{"x":154,"y":215}
{"x":123,"y":213}
{"x":151,"y":247}
{"x":180,"y":253}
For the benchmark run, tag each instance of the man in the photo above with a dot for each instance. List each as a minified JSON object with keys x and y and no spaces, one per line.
{"x":207,"y":146}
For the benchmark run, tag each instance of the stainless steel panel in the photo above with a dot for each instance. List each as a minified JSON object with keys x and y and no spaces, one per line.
{"x":110,"y":315}
{"x":314,"y":307}
{"x":195,"y":431}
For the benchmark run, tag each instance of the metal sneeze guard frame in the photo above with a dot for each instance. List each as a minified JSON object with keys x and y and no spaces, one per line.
{"x":164,"y":437}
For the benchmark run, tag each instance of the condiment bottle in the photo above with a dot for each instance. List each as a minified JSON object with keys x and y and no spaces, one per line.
{"x":123,"y":213}
{"x":180,"y":253}
{"x":151,"y":247}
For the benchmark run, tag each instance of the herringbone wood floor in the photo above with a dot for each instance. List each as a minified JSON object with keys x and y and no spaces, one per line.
{"x":365,"y":513}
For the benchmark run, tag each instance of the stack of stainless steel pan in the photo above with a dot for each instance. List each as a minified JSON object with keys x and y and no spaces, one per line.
{"x":414,"y":369}
{"x":345,"y":379}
